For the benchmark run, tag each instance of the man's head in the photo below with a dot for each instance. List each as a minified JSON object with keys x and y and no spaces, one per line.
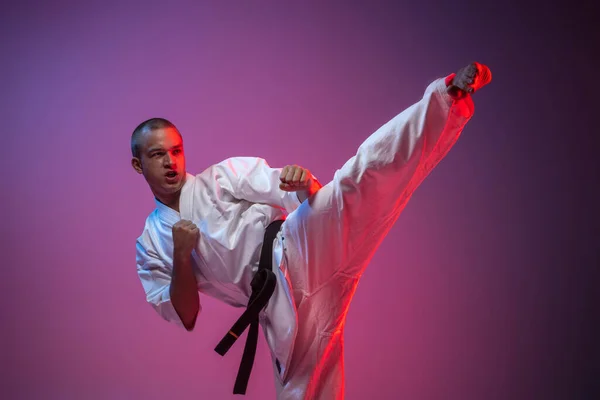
{"x":157,"y":150}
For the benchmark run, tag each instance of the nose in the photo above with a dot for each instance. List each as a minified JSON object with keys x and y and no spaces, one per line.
{"x":169,"y":160}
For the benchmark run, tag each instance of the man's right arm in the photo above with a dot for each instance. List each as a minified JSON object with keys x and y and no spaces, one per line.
{"x":171,"y":290}
{"x":184,"y":290}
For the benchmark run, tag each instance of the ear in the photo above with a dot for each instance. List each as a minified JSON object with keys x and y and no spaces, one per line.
{"x":136,"y":163}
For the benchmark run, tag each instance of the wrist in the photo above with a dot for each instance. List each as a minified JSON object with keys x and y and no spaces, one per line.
{"x":314,"y":187}
{"x":181,"y":254}
{"x":305,"y":194}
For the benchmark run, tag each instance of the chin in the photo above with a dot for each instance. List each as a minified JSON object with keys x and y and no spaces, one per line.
{"x":179,"y":184}
{"x":173,"y":187}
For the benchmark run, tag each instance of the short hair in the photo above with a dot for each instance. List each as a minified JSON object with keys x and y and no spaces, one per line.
{"x":148,"y":125}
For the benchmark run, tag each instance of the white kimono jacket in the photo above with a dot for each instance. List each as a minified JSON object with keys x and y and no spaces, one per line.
{"x":232,"y":203}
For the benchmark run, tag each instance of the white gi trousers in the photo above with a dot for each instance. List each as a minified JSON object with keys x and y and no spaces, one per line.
{"x":331,"y":237}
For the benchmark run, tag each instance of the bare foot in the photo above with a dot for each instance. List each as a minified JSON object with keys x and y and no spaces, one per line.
{"x":469,"y":79}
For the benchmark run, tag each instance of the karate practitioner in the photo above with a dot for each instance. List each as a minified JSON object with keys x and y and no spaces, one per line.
{"x":207,"y":231}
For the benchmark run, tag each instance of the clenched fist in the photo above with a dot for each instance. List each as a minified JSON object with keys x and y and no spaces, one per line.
{"x":294,"y":178}
{"x":185,"y":236}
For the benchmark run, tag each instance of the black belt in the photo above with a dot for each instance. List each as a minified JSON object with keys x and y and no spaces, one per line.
{"x":263,"y":286}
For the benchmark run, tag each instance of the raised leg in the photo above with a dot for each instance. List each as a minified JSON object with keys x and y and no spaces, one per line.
{"x":332,"y":236}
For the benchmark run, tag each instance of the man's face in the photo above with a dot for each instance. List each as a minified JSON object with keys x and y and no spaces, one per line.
{"x":162,"y":162}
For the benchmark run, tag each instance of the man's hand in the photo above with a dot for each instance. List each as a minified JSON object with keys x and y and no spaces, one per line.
{"x":297,"y":179}
{"x":185,"y":237}
{"x":294,"y":178}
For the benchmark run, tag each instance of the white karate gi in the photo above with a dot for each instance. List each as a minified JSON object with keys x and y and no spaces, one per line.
{"x":322,"y":248}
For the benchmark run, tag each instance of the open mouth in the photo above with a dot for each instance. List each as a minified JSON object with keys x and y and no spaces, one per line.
{"x":171,"y":174}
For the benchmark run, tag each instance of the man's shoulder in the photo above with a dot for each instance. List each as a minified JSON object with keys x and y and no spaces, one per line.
{"x":240,"y":160}
{"x":149,"y":224}
{"x":233,"y":165}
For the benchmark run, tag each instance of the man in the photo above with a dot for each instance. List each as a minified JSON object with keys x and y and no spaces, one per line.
{"x":207,"y":233}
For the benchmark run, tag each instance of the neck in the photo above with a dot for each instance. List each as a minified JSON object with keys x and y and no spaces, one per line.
{"x":171,"y":201}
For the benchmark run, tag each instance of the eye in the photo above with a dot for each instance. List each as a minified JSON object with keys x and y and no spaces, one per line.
{"x":177,"y":151}
{"x":157,"y":154}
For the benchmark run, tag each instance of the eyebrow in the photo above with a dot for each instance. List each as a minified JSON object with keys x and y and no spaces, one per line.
{"x":153,"y":149}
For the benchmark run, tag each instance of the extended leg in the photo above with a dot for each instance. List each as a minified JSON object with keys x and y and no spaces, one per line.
{"x":331,"y":237}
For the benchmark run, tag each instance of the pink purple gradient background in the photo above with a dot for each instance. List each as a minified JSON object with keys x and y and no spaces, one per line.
{"x":482,"y":289}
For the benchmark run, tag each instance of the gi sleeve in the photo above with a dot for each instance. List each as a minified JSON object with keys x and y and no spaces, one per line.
{"x":252,"y":179}
{"x":156,"y":280}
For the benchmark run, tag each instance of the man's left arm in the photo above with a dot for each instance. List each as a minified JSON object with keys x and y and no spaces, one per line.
{"x":252,"y":179}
